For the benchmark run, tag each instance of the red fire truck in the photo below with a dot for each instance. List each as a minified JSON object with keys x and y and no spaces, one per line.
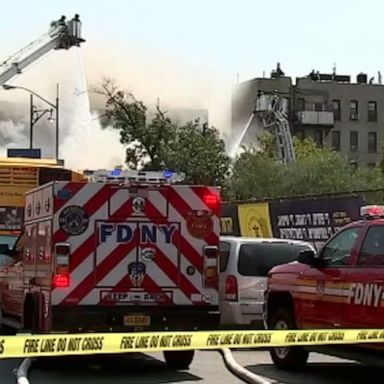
{"x":126,"y":251}
{"x":340,"y":287}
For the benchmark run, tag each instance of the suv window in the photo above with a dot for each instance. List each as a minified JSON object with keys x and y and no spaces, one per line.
{"x":339,"y":249}
{"x":8,"y":239}
{"x":259,"y":258}
{"x":372,"y":250}
{"x":224,"y":251}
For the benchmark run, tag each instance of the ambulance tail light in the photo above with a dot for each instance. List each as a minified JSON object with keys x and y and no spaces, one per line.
{"x":212,"y":201}
{"x":210,"y":272}
{"x":61,"y":278}
{"x":231,"y":290}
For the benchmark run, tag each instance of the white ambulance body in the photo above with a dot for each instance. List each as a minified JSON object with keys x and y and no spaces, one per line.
{"x":123,"y":253}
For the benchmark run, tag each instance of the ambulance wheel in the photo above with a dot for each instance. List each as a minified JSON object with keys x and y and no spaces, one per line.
{"x":287,"y":358}
{"x":178,"y":359}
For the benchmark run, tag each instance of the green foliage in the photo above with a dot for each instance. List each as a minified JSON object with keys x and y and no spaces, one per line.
{"x":201,"y":156}
{"x":257,"y":174}
{"x":146,"y":141}
{"x":267,"y":143}
{"x":157,"y":143}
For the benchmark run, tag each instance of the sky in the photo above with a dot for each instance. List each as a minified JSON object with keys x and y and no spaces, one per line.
{"x":189,"y":53}
{"x":242,"y":36}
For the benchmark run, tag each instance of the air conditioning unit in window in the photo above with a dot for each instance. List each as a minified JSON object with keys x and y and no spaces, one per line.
{"x":354,"y":116}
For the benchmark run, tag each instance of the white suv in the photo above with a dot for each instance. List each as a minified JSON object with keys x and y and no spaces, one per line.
{"x":244,"y":266}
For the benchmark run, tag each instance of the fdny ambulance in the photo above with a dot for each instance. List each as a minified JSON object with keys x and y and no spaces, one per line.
{"x":126,"y":251}
{"x":340,"y":287}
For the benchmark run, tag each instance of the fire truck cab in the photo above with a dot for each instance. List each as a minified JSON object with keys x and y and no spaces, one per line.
{"x":126,"y":251}
{"x":342,"y":286}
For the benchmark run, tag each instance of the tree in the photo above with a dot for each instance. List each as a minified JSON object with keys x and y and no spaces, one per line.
{"x":200,"y":155}
{"x":257,"y":173}
{"x":146,"y":141}
{"x":157,"y":143}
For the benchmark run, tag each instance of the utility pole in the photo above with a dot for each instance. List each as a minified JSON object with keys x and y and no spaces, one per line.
{"x":57,"y":122}
{"x":31,"y":122}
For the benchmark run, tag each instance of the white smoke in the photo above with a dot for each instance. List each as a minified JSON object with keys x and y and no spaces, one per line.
{"x":175,"y":83}
{"x":13,"y":134}
{"x":83,"y":143}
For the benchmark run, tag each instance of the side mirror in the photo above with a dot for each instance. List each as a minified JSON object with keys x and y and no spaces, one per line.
{"x":308,"y":257}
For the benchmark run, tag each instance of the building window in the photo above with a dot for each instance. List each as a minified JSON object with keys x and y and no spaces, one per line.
{"x":354,"y":110}
{"x":318,"y":107}
{"x":372,"y":111}
{"x":336,"y":140}
{"x":371,"y":165}
{"x":336,"y":109}
{"x":300,"y":135}
{"x":318,"y":137}
{"x":300,"y":104}
{"x":372,"y":142}
{"x":353,"y":141}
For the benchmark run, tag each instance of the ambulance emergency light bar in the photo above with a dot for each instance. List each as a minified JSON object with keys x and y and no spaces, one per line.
{"x":125,"y":176}
{"x":372,"y":211}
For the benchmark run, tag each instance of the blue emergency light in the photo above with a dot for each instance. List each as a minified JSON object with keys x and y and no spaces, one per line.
{"x":167,"y":174}
{"x":116,"y":172}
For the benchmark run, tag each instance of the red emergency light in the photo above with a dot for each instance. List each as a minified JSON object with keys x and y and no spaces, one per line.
{"x":212,"y":201}
{"x":372,"y":211}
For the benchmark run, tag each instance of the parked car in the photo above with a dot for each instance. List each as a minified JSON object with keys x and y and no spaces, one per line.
{"x":244,"y":266}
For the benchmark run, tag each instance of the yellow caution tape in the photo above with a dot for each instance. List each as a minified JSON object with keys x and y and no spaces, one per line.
{"x":99,"y":343}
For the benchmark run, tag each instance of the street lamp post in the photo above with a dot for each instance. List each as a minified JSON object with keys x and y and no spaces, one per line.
{"x":31,"y":121}
{"x":57,"y":122}
{"x":37,"y":114}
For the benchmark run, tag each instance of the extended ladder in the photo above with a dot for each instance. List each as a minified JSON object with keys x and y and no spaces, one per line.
{"x":275,"y":108}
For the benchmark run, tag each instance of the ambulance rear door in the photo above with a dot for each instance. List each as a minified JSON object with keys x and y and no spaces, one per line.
{"x":137,"y":252}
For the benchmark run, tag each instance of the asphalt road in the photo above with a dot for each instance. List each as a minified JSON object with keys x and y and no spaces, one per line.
{"x":207,"y":367}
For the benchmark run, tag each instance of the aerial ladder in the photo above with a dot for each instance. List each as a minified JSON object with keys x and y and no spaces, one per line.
{"x":61,"y":35}
{"x":272,"y":110}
